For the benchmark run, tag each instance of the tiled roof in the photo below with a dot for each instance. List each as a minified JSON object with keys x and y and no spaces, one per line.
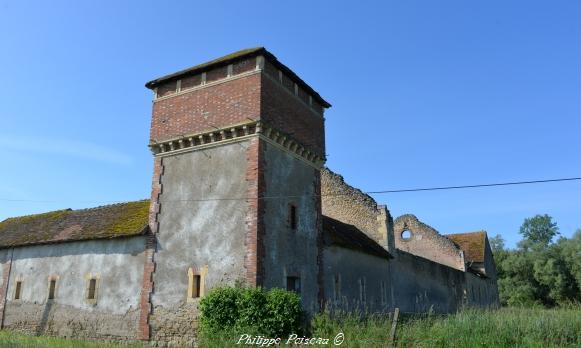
{"x":472,"y":243}
{"x":349,"y":236}
{"x":109,"y":221}
{"x":236,"y":56}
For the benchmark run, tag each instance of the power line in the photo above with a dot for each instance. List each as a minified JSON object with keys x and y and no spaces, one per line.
{"x":325,"y":195}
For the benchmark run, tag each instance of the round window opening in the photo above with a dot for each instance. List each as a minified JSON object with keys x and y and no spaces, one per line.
{"x":406,"y":235}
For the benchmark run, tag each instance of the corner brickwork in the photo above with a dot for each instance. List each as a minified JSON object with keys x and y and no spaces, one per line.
{"x":254,"y":217}
{"x":145,"y":308}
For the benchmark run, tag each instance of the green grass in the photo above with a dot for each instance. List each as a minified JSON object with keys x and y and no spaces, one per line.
{"x":8,"y":339}
{"x":507,"y":327}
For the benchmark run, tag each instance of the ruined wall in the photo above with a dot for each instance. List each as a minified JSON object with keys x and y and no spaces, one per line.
{"x":118,"y":266}
{"x":351,"y":206}
{"x":421,"y":285}
{"x":426,"y":242}
{"x":202,"y":223}
{"x":349,"y":268}
{"x":289,"y":252}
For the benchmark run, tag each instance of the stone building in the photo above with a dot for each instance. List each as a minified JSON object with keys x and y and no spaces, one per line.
{"x":240,"y":195}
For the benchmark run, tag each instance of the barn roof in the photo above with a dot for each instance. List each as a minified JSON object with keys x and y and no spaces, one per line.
{"x":472,"y":243}
{"x":104,"y":222}
{"x":349,"y":236}
{"x":234,"y":57}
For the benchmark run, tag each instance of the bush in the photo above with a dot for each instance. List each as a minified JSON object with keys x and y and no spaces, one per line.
{"x":274,"y":313}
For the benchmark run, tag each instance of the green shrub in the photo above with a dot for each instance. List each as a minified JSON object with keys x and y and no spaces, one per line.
{"x":284,"y":312}
{"x":220,"y":309}
{"x":274,"y":313}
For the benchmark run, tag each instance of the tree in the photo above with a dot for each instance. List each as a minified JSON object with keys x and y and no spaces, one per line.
{"x":496,"y":243}
{"x":539,"y":230}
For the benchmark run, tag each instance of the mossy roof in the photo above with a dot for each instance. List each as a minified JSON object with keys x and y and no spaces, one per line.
{"x":234,"y":57}
{"x":104,"y":222}
{"x":472,"y":243}
{"x":350,"y":237}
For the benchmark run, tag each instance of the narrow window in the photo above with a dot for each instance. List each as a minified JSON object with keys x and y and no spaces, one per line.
{"x":92,"y":289}
{"x":51,"y":289}
{"x":18,"y":290}
{"x":196,"y":286}
{"x":196,"y":282}
{"x":337,"y":287}
{"x":293,"y":284}
{"x":293,"y":217}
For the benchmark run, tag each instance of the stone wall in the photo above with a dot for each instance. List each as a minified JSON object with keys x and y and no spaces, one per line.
{"x":116,"y":264}
{"x":291,"y":252}
{"x":203,"y":221}
{"x":346,"y":269}
{"x":351,"y":206}
{"x":421,"y":285}
{"x":426,"y":242}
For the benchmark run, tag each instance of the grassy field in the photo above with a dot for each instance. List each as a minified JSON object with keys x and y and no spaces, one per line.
{"x":8,"y":339}
{"x":507,"y":327}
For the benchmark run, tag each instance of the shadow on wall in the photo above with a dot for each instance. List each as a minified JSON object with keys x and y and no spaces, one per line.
{"x":42,"y":325}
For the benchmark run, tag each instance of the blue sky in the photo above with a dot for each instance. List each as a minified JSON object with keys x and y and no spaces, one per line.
{"x":424,"y":94}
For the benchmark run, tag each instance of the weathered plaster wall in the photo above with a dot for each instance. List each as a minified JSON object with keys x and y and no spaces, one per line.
{"x":420,"y":285}
{"x":351,"y":267}
{"x":426,"y":242}
{"x":481,"y":292}
{"x":202,"y":222}
{"x":351,"y":206}
{"x":118,"y":265}
{"x":291,"y":252}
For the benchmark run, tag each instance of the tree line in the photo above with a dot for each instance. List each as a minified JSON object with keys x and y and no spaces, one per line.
{"x":544,"y":269}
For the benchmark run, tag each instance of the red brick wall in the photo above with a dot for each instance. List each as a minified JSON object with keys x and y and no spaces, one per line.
{"x":150,"y":245}
{"x":287,"y":113}
{"x":255,"y":215}
{"x":199,"y":110}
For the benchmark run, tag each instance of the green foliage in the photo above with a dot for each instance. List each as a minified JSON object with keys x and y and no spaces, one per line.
{"x":284,"y":313}
{"x":539,"y":272}
{"x":540,"y":229}
{"x":496,"y":243}
{"x":273,"y":313}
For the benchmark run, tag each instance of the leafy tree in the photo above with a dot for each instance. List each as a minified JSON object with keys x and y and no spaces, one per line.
{"x":496,"y":243}
{"x":539,"y":272}
{"x":539,"y":229}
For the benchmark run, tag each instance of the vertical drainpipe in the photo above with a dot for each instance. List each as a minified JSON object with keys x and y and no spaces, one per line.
{"x":4,"y":290}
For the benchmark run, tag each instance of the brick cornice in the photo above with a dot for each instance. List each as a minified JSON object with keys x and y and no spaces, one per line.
{"x":235,"y":133}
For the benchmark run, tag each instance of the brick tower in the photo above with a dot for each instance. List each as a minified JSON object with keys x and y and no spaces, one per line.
{"x":238,"y":143}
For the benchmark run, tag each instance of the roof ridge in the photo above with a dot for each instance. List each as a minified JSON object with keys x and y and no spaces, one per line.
{"x":111,"y":205}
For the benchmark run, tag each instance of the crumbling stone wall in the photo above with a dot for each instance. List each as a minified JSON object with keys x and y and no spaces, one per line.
{"x":426,"y":242}
{"x":351,"y":206}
